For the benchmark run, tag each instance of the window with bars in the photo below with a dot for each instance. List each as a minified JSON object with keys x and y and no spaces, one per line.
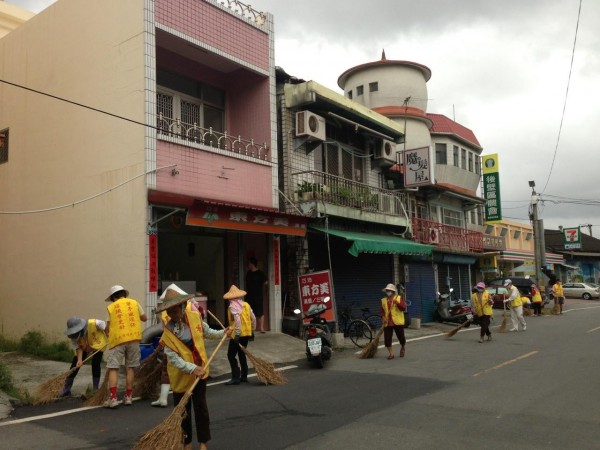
{"x":4,"y":146}
{"x":342,"y":162}
{"x":452,"y":217}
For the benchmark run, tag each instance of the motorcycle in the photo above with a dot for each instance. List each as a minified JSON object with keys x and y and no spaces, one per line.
{"x":449,"y":308}
{"x":318,"y":341}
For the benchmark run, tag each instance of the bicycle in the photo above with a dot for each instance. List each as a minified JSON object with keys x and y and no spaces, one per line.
{"x":358,"y":330}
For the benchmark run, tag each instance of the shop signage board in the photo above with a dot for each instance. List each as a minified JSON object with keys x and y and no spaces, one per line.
{"x":314,"y":287}
{"x":491,"y":188}
{"x":572,"y":238}
{"x":153,"y":263}
{"x":418,"y":167}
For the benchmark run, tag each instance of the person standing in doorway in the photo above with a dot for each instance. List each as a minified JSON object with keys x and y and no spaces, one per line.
{"x":256,"y":281}
{"x":392,"y":316}
{"x":516,"y":306}
{"x":124,"y":329}
{"x":482,"y":305}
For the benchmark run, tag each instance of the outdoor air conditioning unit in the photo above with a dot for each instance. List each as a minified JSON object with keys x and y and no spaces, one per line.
{"x":385,"y":153}
{"x":310,"y":125}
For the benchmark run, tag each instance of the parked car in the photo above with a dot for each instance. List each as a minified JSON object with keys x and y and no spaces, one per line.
{"x":523,"y":284}
{"x":583,"y":290}
{"x":498,"y":294}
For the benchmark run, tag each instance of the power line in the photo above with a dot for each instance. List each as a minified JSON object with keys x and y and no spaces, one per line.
{"x":566,"y":96}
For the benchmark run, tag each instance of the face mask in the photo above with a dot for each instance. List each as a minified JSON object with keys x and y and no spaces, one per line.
{"x":480,"y":290}
{"x":388,"y":293}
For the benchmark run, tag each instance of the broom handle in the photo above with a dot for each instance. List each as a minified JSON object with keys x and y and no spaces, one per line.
{"x":214,"y":317}
{"x":92,"y":354}
{"x":189,"y":391}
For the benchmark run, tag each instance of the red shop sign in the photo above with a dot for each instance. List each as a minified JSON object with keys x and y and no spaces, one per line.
{"x":314,"y":287}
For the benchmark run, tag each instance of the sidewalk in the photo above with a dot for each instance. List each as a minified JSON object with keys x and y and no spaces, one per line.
{"x":280,"y":349}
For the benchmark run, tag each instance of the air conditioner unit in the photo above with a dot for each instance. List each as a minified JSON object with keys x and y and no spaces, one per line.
{"x":433,"y":235}
{"x":385,"y":153}
{"x":310,"y":125}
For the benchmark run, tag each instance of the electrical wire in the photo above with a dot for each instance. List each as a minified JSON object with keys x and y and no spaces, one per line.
{"x":565,"y":101}
{"x":87,"y":199}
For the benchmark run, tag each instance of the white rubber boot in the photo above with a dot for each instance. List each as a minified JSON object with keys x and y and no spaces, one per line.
{"x":164,"y":394}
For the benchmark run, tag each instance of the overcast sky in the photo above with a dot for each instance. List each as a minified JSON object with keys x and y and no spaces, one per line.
{"x":499,"y":68}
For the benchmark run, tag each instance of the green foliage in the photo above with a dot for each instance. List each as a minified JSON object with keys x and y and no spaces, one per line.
{"x":305,"y":186}
{"x":6,"y":382}
{"x":8,"y":345}
{"x":34,"y":343}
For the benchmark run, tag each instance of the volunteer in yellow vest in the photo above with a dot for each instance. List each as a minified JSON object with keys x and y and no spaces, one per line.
{"x":482,"y":308}
{"x":516,"y":306}
{"x":559,"y":294}
{"x":87,"y":336}
{"x":392,"y":317}
{"x":124,"y":329}
{"x":243,"y":322}
{"x":183,"y":337}
{"x":536,"y":300}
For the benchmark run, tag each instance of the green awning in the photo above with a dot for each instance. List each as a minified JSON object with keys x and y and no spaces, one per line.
{"x":377,"y":243}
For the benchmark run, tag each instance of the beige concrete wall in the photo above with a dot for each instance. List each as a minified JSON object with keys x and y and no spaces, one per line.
{"x":61,"y":263}
{"x":11,"y":17}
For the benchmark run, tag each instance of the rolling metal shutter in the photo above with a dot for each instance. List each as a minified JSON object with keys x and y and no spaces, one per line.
{"x":456,"y":276}
{"x":420,"y":290}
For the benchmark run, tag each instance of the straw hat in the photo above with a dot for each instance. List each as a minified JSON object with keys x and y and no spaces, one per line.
{"x":173,"y":298}
{"x":172,"y":287}
{"x":75,"y":325}
{"x":390,"y":287}
{"x":234,"y":293}
{"x":114,"y":289}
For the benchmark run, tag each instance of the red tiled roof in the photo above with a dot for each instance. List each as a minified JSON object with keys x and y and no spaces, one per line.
{"x":444,"y":125}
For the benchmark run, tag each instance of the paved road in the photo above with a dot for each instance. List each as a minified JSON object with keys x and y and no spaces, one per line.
{"x":531,"y":390}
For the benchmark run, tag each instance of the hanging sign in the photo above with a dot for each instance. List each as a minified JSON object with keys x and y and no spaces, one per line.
{"x":572,"y":238}
{"x":314,"y":287}
{"x":491,"y":188}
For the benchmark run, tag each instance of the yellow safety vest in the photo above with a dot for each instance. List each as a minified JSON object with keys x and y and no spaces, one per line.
{"x":558,"y":290}
{"x":537,"y":298}
{"x":483,"y":307}
{"x":181,"y":381}
{"x":517,"y":301}
{"x":95,"y":338}
{"x":245,"y":318}
{"x":397,"y":314}
{"x":125,"y":322}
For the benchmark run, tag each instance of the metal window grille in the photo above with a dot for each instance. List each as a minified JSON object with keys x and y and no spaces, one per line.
{"x":164,"y":112}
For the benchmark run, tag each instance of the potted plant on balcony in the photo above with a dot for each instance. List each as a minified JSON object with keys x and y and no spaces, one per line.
{"x":308,"y":191}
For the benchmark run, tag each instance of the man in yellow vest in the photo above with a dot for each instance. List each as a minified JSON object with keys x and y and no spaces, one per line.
{"x":243,"y":322}
{"x":393,"y":307}
{"x":183,"y":337}
{"x":86,"y":336}
{"x":124,"y":329}
{"x":516,"y":306}
{"x":559,"y":296}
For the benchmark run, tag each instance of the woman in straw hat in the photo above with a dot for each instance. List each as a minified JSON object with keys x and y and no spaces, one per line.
{"x":392,"y":316}
{"x":243,"y":322}
{"x":482,"y":307}
{"x":183,"y":337}
{"x":86,"y":336}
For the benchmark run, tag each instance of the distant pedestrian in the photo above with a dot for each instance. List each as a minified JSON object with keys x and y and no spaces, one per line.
{"x":536,"y":300}
{"x":256,"y":282}
{"x":559,"y":296}
{"x":482,"y":306}
{"x":86,"y":336}
{"x":393,"y":307}
{"x":124,"y":328}
{"x":516,"y":306}
{"x":243,"y":322}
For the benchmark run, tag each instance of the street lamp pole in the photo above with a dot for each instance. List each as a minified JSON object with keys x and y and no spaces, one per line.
{"x":538,"y":235}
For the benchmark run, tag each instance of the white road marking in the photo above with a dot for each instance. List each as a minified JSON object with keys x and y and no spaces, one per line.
{"x":86,"y":408}
{"x":593,"y":329}
{"x":506,"y":363}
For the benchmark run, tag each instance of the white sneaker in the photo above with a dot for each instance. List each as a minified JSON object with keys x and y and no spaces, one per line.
{"x":111,"y":403}
{"x":159,"y":402}
{"x":513,"y":329}
{"x":524,"y":328}
{"x":127,"y":400}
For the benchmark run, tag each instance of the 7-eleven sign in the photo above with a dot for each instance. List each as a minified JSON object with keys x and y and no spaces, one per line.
{"x":572,"y":238}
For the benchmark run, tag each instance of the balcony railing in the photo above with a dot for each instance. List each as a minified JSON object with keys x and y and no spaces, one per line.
{"x":314,"y":185}
{"x":447,"y":236}
{"x":167,"y":126}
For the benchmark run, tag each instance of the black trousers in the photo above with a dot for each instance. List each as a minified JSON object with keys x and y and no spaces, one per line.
{"x":537,"y":309}
{"x":201,"y":417}
{"x":96,"y":365}
{"x":484,"y":321}
{"x":234,"y":350}
{"x":388,"y":333}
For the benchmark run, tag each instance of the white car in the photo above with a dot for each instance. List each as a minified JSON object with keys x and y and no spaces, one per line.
{"x":581,"y":290}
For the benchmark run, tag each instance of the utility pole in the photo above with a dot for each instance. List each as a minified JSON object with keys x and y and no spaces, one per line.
{"x":589,"y":227}
{"x":538,"y":235}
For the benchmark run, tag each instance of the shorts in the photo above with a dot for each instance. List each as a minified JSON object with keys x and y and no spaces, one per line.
{"x":129,"y":351}
{"x":561,"y":300}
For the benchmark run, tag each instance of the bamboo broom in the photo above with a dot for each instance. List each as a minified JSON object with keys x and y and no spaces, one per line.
{"x":148,"y":376}
{"x":48,"y":391}
{"x":455,"y":330}
{"x":504,"y":323}
{"x":371,"y":349}
{"x":265,"y":371}
{"x":168,"y":434}
{"x":101,"y":395}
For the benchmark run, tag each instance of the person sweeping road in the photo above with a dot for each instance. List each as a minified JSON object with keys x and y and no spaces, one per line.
{"x":183,"y":337}
{"x":86,"y":336}
{"x":482,"y":306}
{"x":243,"y":321}
{"x":392,"y":317}
{"x":516,"y":306}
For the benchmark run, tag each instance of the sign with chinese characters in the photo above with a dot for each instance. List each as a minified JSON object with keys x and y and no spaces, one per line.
{"x":494,"y":242}
{"x":491,"y":188}
{"x":572,"y":238}
{"x":276,"y":268}
{"x":418,"y":170}
{"x":152,"y":263}
{"x":314,"y":287}
{"x":230,"y":217}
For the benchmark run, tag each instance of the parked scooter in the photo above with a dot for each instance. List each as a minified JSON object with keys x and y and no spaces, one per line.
{"x":449,"y":308}
{"x":318,"y":341}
